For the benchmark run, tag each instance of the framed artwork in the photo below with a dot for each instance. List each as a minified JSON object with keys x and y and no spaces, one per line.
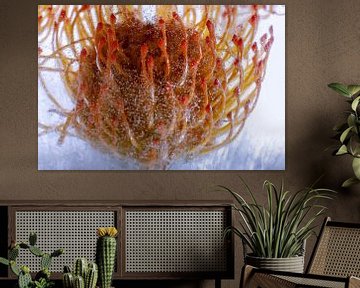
{"x":161,"y":87}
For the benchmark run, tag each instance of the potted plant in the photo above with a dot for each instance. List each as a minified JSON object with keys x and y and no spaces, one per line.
{"x":84,"y":274}
{"x":87,"y":274}
{"x":348,"y":132}
{"x":276,"y":233}
{"x":106,"y":254}
{"x":42,"y":278}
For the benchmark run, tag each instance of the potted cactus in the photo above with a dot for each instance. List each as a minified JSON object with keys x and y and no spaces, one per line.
{"x":42,"y":278}
{"x":348,"y":132}
{"x":106,"y":254}
{"x":85,"y":275}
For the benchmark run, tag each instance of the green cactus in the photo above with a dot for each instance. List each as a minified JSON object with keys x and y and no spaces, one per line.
{"x":91,"y":276}
{"x":4,"y":261}
{"x":32,"y":239}
{"x":68,"y":280}
{"x":57,"y":252}
{"x":24,"y":245}
{"x":36,"y":251}
{"x":25,"y":269}
{"x":80,"y":268}
{"x":24,"y":280}
{"x":14,"y":268}
{"x":13,"y":253}
{"x":45,"y":261}
{"x":79,"y":282}
{"x":87,"y":272}
{"x":43,"y":274}
{"x":42,"y":278}
{"x":106,"y":254}
{"x":92,"y":266}
{"x":67,"y":269}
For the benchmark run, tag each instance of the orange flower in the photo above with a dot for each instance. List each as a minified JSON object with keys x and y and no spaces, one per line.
{"x":156,"y":90}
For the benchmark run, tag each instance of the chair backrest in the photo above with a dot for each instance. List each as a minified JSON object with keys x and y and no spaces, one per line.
{"x":337,"y":251}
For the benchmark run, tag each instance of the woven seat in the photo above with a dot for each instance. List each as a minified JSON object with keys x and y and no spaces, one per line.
{"x":335,"y":262}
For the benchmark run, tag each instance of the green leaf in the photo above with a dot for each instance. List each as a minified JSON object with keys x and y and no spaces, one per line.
{"x":351,"y":120}
{"x":356,"y":167}
{"x":349,"y":182}
{"x":279,"y":228}
{"x":345,"y":134}
{"x":342,"y":150}
{"x":353,"y":89}
{"x":354,"y":145}
{"x":4,"y":261}
{"x":340,"y":88}
{"x":355,"y":103}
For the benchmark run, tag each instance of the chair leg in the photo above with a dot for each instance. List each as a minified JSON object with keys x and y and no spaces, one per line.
{"x":246,"y":276}
{"x":217,"y":283}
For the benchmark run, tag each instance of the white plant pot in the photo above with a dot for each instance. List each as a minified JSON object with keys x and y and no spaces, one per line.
{"x":291,"y":264}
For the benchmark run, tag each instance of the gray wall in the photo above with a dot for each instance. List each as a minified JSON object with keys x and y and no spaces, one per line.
{"x":322,"y":46}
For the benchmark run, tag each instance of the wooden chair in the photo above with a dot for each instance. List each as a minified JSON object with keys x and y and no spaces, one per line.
{"x":335,"y":262}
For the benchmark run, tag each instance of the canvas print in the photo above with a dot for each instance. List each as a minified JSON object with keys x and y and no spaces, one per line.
{"x":161,"y":87}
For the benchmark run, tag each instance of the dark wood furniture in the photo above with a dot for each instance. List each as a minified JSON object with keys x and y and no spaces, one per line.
{"x":157,"y":240}
{"x":335,"y":262}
